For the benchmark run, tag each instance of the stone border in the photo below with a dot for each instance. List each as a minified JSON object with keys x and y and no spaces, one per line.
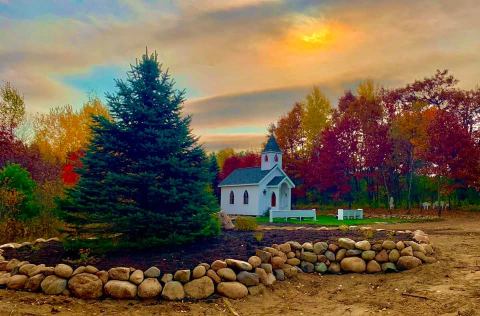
{"x":229,"y":278}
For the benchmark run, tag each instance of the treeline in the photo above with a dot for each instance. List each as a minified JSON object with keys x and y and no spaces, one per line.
{"x":409,"y":145}
{"x":38,"y":155}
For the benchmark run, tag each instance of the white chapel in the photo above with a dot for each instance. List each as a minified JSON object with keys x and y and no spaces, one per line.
{"x":254,"y":191}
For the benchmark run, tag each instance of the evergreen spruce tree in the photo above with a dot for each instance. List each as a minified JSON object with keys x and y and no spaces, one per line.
{"x":215,"y":174}
{"x":144,"y":177}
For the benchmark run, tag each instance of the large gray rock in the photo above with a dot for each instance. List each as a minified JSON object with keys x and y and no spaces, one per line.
{"x":63,"y":270}
{"x":120,"y":289}
{"x":248,"y":278}
{"x":307,"y":267}
{"x":408,"y":262}
{"x":173,"y":291}
{"x":330,"y":255}
{"x":233,"y":290}
{"x":120,"y":273}
{"x":353,"y":264}
{"x":53,"y":285}
{"x":149,"y":288}
{"x":86,"y":286}
{"x":152,"y":272}
{"x":200,"y":288}
{"x":346,"y":243}
{"x":279,"y":274}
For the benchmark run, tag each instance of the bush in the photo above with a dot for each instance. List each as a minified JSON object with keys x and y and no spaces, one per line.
{"x":246,"y":223}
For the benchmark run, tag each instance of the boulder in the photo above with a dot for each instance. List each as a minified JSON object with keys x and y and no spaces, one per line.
{"x":233,"y":290}
{"x":227,"y":274}
{"x":278,"y":261}
{"x":382,"y":256}
{"x":255,"y":261}
{"x":340,"y":254}
{"x":408,"y":251}
{"x":400,"y":245}
{"x":270,"y":279}
{"x":248,"y":278}
{"x":408,"y":262}
{"x":389,"y":245}
{"x":4,"y":278}
{"x":373,"y":267}
{"x":321,"y":267}
{"x":368,"y":255}
{"x":307,"y":246}
{"x":267,"y":267}
{"x":330,"y":255}
{"x":63,"y":270}
{"x":12,"y":264}
{"x":91,"y":269}
{"x":149,"y":288}
{"x":420,"y":255}
{"x":334,"y":268}
{"x":307,"y":267}
{"x":103,"y":276}
{"x":295,"y":245}
{"x":182,"y":276}
{"x":218,"y":264}
{"x":333,"y":247}
{"x":290,"y":255}
{"x":78,"y":270}
{"x":136,"y":277}
{"x":173,"y":291}
{"x":264,"y":256}
{"x":363,"y":245}
{"x":353,"y":264}
{"x":86,"y":286}
{"x":152,"y":272}
{"x":167,"y":277}
{"x":120,"y":289}
{"x":293,"y":261}
{"x":285,"y":248}
{"x":415,"y":246}
{"x":198,"y":272}
{"x":389,"y":267}
{"x":239,"y":264}
{"x":309,"y":257}
{"x":17,"y":282}
{"x":393,"y":255}
{"x":262,"y":275}
{"x":352,"y":253}
{"x":120,"y":273}
{"x":200,"y":288}
{"x":33,"y":283}
{"x":279,"y":274}
{"x":320,"y":247}
{"x":214,"y":276}
{"x":346,"y":243}
{"x":26,"y":268}
{"x":376,"y":246}
{"x":53,"y":285}
{"x":225,"y":221}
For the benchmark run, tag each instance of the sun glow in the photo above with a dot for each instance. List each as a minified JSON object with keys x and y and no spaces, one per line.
{"x":320,"y":37}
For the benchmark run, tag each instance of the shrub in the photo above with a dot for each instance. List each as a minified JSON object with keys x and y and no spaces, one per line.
{"x":258,"y":236}
{"x":246,"y":223}
{"x":343,"y":228}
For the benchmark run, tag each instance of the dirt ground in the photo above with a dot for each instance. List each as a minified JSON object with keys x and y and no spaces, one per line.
{"x":449,"y":287}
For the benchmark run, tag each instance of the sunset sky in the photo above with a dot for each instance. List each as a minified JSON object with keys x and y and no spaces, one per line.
{"x":242,"y":62}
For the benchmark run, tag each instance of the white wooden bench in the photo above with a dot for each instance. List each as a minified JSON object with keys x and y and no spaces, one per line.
{"x":349,"y":214}
{"x":293,"y":214}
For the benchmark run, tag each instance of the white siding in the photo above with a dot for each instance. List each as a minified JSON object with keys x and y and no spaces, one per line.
{"x":238,"y":208}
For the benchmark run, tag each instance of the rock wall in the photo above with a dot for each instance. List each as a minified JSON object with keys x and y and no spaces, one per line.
{"x":230,"y":277}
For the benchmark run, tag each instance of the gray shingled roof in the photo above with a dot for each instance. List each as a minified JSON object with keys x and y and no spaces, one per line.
{"x":245,"y":176}
{"x":276,"y":180}
{"x":272,"y":145}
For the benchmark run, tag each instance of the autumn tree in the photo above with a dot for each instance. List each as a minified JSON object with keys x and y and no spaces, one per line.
{"x":316,"y":115}
{"x":240,"y":160}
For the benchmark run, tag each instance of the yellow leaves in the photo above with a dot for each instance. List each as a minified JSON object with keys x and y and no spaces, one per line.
{"x":64,"y":130}
{"x":316,"y":116}
{"x":222,"y":155}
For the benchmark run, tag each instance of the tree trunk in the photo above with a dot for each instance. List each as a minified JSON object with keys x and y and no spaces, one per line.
{"x":410,"y":182}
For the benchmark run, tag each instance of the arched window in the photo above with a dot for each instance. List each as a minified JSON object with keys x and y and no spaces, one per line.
{"x":274,"y":200}
{"x":276,"y":158}
{"x":266,"y":157}
{"x":232,"y":197}
{"x":245,"y":197}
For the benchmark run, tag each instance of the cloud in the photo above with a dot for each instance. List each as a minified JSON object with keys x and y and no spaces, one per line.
{"x":246,"y":61}
{"x":250,"y":142}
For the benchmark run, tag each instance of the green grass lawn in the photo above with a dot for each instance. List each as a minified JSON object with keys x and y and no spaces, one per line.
{"x":328,"y":220}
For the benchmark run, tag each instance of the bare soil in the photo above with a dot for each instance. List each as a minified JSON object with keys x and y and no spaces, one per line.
{"x":449,"y":287}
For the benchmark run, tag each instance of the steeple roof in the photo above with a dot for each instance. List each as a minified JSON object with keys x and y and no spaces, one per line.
{"x":272,"y":145}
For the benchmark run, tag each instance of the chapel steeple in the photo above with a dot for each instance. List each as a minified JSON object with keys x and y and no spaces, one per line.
{"x":271,"y":154}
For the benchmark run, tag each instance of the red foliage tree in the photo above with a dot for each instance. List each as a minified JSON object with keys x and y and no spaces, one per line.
{"x":68,"y":175}
{"x":241,"y":160}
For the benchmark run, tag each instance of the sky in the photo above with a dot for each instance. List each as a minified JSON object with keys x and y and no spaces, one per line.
{"x":242,"y":63}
